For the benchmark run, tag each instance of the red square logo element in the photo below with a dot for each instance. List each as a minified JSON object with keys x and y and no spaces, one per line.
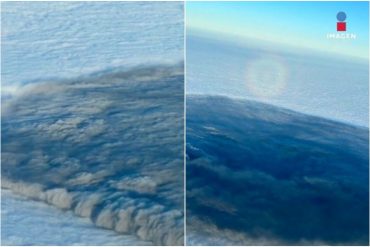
{"x":341,"y":26}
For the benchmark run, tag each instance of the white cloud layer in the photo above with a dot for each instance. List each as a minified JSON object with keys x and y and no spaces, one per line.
{"x":51,"y":226}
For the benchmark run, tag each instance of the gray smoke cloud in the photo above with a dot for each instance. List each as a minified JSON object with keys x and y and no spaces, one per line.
{"x":108,"y":146}
{"x":263,"y":175}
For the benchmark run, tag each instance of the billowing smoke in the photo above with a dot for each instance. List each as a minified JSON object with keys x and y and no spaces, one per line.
{"x":262,"y":175}
{"x":108,"y":146}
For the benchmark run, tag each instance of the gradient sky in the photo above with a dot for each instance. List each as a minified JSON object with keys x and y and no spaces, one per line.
{"x":301,"y":24}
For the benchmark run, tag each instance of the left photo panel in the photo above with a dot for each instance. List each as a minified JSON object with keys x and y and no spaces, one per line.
{"x":92,"y":129}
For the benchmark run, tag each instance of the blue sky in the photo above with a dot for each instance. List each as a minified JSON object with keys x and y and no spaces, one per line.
{"x":302,"y":24}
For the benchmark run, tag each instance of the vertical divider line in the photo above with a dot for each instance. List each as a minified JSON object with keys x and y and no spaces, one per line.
{"x":368,"y":109}
{"x":184,"y":7}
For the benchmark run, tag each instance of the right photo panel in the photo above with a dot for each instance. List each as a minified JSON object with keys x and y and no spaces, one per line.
{"x":277,"y":123}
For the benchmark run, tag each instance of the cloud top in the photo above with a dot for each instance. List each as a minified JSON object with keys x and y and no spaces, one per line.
{"x":108,"y":146}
